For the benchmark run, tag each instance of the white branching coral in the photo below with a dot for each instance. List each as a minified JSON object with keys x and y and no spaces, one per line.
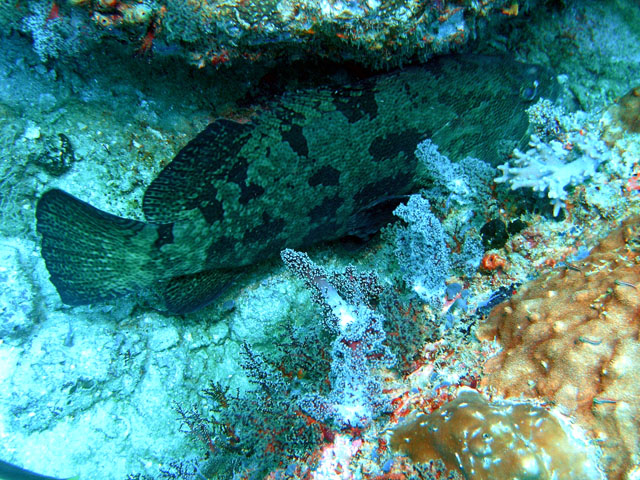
{"x":553,"y":165}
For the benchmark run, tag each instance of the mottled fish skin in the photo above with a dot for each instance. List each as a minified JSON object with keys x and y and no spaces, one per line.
{"x":302,"y":172}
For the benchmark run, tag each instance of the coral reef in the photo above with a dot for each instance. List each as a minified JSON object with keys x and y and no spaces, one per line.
{"x":421,"y":250}
{"x":57,"y":35}
{"x":206,"y":32}
{"x":571,"y":338}
{"x":89,"y":390}
{"x":462,"y":183}
{"x":437,"y":237}
{"x":255,"y":431}
{"x":358,"y":349}
{"x":483,"y":440}
{"x":552,"y":166}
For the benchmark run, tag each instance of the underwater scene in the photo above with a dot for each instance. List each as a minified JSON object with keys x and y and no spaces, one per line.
{"x":320,"y":239}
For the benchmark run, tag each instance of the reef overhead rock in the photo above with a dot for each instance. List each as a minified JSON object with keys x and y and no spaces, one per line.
{"x":205,"y":32}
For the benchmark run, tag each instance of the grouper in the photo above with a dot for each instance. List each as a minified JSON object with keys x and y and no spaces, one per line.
{"x":312,"y":166}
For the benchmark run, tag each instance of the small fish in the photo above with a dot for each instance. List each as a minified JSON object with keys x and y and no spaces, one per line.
{"x":12,"y":472}
{"x":314,"y":165}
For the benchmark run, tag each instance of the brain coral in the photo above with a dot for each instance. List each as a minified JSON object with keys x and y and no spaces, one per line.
{"x":571,"y":338}
{"x":498,"y":440}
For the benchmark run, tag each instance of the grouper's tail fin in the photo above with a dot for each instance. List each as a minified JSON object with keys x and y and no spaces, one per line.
{"x":92,"y":255}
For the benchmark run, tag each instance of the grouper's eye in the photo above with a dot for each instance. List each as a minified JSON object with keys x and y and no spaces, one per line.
{"x":529,"y":92}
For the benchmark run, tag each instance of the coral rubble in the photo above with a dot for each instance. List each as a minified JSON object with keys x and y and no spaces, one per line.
{"x":571,"y":338}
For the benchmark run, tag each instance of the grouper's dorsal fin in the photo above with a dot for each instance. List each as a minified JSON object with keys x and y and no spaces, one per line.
{"x":195,"y":169}
{"x":92,"y":255}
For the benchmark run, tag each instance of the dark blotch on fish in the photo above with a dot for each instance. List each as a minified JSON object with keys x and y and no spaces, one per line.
{"x":357,"y":104}
{"x":296,"y":139}
{"x":165,"y":235}
{"x":326,"y":176}
{"x":314,"y":165}
{"x":392,"y":144}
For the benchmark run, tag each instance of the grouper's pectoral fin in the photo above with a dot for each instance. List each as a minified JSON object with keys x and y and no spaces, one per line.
{"x":92,"y":255}
{"x":188,"y":293}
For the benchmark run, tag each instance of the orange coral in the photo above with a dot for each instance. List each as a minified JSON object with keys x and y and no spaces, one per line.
{"x":571,"y":338}
{"x":498,"y":440}
{"x":491,"y":262}
{"x":512,"y":10}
